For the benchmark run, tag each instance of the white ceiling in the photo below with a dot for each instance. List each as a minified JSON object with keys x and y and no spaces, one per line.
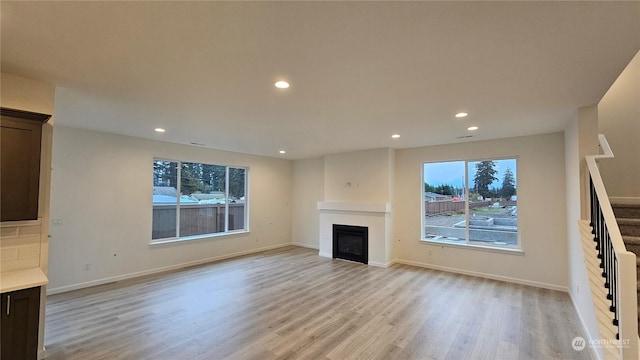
{"x":359,"y":71}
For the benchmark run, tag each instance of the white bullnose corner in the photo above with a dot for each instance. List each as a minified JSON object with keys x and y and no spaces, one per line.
{"x":354,"y":206}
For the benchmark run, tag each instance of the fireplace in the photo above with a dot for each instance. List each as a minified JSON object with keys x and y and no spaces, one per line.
{"x":351,"y":243}
{"x":375,"y":217}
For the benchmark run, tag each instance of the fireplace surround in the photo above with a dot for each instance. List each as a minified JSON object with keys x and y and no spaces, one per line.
{"x":374,"y":216}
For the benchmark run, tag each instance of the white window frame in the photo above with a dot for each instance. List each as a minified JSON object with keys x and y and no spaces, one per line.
{"x":518,"y":249}
{"x":226,"y":231}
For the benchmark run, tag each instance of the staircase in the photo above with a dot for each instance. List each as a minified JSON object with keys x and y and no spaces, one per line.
{"x":628,"y":218}
{"x":617,"y":262}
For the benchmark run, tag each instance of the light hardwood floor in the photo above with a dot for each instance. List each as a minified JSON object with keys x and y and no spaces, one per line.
{"x":292,"y":304}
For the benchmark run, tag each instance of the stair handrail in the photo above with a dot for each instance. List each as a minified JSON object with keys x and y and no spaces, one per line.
{"x":619,"y":265}
{"x":594,"y":170}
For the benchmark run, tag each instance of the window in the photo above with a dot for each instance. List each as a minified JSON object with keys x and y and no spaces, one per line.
{"x":471,"y":202}
{"x":211,"y":200}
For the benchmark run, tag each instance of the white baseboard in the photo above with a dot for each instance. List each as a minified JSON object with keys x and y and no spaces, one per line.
{"x":308,"y":246}
{"x":485,"y":275}
{"x":58,"y":290}
{"x":327,"y":255}
{"x":382,"y":265}
{"x":594,"y":352}
{"x":624,"y":200}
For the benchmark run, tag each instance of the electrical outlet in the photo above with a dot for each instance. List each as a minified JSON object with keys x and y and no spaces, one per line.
{"x":87,"y":266}
{"x":56,"y":222}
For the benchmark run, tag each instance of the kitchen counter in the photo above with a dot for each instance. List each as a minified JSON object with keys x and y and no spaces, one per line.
{"x":22,"y":279}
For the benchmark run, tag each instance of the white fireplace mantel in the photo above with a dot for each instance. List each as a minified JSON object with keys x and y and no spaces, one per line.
{"x":373,"y":207}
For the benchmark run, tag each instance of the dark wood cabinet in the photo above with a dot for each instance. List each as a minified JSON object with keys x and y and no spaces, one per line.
{"x":20,"y":316}
{"x":20,"y":138}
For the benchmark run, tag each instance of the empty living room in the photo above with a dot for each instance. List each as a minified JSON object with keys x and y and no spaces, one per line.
{"x":315,"y":180}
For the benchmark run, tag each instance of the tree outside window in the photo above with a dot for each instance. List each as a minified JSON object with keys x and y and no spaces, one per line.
{"x":211,"y":200}
{"x":471,"y":202}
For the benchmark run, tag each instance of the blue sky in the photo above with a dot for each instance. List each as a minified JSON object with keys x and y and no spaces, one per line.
{"x":452,"y":172}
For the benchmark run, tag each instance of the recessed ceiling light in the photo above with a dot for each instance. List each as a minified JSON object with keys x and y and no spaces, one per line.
{"x":160,"y":130}
{"x":395,"y":136}
{"x":461,"y":114}
{"x":282,"y":84}
{"x":471,"y":128}
{"x":282,"y":152}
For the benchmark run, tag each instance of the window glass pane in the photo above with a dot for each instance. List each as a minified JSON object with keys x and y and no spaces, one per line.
{"x":202,"y":199}
{"x":493,"y":202}
{"x":191,"y":199}
{"x":165,"y":196}
{"x":237,"y":188}
{"x":444,"y":201}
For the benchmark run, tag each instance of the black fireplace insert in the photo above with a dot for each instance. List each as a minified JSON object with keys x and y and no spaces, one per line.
{"x":351,"y":243}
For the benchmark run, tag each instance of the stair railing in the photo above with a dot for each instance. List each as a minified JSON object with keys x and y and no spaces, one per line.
{"x":618,"y":265}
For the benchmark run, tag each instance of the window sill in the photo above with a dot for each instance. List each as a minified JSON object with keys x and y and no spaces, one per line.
{"x":502,"y":250}
{"x":196,"y":238}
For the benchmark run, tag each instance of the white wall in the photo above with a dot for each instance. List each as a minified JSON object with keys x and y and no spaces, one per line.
{"x":308,"y":189}
{"x":541,"y":212}
{"x":101,"y":190}
{"x":367,"y":172}
{"x":619,"y":120}
{"x":390,"y":247}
